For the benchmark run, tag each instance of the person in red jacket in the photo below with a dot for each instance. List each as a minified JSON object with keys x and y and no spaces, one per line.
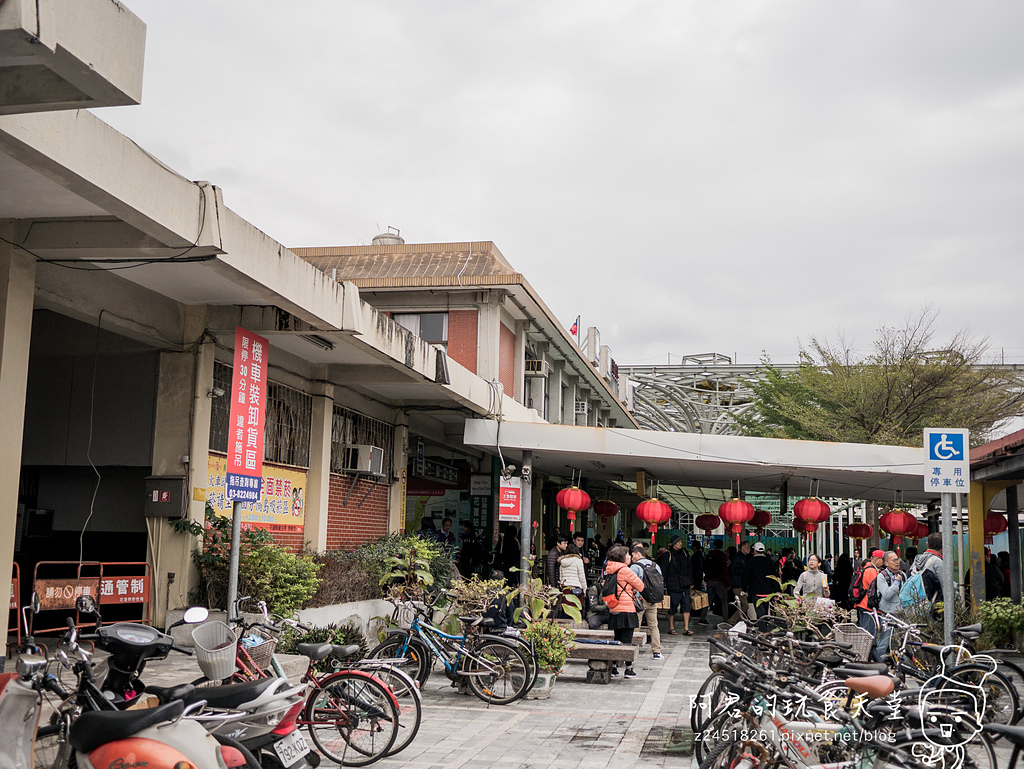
{"x":622,"y":619}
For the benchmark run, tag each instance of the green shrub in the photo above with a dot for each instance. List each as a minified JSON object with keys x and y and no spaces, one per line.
{"x":1001,"y":619}
{"x":374,"y":558}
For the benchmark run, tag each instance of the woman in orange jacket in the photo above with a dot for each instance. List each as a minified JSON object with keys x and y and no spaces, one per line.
{"x":622,"y":619}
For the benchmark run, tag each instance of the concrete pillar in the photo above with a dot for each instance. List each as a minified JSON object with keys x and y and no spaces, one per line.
{"x":1013,"y":532}
{"x":978,"y":501}
{"x":522,"y":327}
{"x":318,"y":479}
{"x":397,"y":506}
{"x":489,"y":338}
{"x":17,"y":295}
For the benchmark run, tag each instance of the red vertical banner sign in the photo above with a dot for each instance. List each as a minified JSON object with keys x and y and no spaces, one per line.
{"x":246,"y":424}
{"x":509,"y":500}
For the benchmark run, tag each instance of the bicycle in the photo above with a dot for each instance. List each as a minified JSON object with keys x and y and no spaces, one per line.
{"x":493,"y":667}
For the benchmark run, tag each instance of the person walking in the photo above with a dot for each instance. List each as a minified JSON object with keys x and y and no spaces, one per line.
{"x":572,"y":575}
{"x":677,"y":569}
{"x":758,"y":582}
{"x":737,"y":570}
{"x":929,"y":566}
{"x":551,"y":561}
{"x":890,"y":581}
{"x":812,"y":583}
{"x":865,"y":616}
{"x":844,"y":573}
{"x":622,"y":619}
{"x":716,"y":573}
{"x":640,"y":560}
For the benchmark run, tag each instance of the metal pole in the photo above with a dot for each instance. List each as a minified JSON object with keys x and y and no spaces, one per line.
{"x":960,"y":545}
{"x":526,"y":519}
{"x":236,"y":539}
{"x":947,"y":567}
{"x":1013,"y":532}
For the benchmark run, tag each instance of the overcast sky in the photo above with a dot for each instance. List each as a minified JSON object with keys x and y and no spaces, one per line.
{"x":689,"y":177}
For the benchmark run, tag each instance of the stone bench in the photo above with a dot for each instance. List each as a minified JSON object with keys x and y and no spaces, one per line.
{"x":601,"y":657}
{"x":639,"y":636}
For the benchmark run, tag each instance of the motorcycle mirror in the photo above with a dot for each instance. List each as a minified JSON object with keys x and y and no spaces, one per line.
{"x":35,"y":602}
{"x":196,"y":614}
{"x":86,"y":604}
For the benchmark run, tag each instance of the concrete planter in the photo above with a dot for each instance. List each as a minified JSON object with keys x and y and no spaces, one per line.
{"x":542,"y":688}
{"x":363,"y":614}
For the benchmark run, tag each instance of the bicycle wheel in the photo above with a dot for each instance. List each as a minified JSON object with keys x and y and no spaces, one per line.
{"x":723,"y":728}
{"x":709,"y":698}
{"x":1015,"y":675}
{"x":352,"y":718}
{"x":497,"y":673}
{"x":1001,"y":703}
{"x":52,"y":750}
{"x":935,"y":751}
{"x":417,"y":656}
{"x":410,"y":705}
{"x":734,"y":754}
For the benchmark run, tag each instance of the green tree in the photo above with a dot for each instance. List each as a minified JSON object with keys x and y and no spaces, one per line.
{"x":906,"y":383}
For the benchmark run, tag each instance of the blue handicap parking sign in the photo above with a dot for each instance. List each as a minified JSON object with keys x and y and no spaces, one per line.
{"x":945,"y":447}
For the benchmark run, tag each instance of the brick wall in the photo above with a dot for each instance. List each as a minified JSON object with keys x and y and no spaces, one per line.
{"x":462,"y":337}
{"x":507,"y":359}
{"x":293,"y":542}
{"x":349,"y":526}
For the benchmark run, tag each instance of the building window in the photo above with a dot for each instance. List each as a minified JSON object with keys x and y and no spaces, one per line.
{"x":288,"y":421}
{"x":350,"y":428}
{"x":431,"y":327}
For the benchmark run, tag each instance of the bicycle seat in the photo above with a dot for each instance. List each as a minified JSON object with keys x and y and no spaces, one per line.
{"x":345,"y":651}
{"x":874,"y":687}
{"x":170,"y":693}
{"x":315,"y":651}
{"x":98,"y":727}
{"x":860,"y":670}
{"x":478,"y":621}
{"x":970,"y":632}
{"x":934,"y":649}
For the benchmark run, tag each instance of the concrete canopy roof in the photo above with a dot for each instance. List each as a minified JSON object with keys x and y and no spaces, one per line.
{"x":849,"y":470}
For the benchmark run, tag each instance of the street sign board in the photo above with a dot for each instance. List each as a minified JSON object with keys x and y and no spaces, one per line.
{"x":246,"y":424}
{"x":947,"y":462}
{"x":508,"y":500}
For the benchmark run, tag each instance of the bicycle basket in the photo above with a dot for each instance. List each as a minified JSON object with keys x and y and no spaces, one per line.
{"x":856,"y":636}
{"x":259,"y":646}
{"x":215,"y":649}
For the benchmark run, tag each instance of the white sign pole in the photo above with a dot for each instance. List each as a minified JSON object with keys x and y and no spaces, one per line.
{"x":947,"y":469}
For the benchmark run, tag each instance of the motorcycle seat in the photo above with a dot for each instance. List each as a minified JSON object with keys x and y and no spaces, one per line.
{"x":860,"y":670}
{"x":95,"y":728}
{"x":170,"y":693}
{"x":232,"y":695}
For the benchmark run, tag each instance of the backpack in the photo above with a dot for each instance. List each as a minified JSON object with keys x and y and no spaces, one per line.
{"x":874,"y":597}
{"x":913,"y":591}
{"x":609,"y":590}
{"x":857,"y":589}
{"x":654,"y":584}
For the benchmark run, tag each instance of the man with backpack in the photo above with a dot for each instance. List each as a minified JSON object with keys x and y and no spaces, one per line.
{"x":865,"y":574}
{"x":678,"y":572}
{"x":925,"y":582}
{"x":652,"y":594}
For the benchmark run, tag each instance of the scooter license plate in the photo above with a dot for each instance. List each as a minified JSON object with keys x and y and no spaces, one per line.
{"x":291,"y":748}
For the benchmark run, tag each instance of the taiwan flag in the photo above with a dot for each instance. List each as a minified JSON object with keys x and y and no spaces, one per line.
{"x":575,"y":326}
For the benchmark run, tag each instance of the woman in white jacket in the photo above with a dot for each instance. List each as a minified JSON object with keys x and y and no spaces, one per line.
{"x":572,"y":574}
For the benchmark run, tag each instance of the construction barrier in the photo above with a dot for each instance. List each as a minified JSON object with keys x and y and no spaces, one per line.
{"x":59,"y":584}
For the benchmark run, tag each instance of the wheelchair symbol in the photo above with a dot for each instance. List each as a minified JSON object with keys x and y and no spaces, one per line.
{"x":944,"y":448}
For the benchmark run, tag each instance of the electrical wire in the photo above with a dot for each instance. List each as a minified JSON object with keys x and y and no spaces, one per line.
{"x":88,"y":449}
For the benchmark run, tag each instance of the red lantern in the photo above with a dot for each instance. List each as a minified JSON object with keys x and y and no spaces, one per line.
{"x":572,"y":499}
{"x":653,"y":512}
{"x":994,"y":524}
{"x":899,"y":524}
{"x":922,"y":530}
{"x":734,"y":514}
{"x":606,"y":508}
{"x":812,"y":510}
{"x":860,"y":531}
{"x":804,"y":527}
{"x":761,"y":519}
{"x":707,"y":523}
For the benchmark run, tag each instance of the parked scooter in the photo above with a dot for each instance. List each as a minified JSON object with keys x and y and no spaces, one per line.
{"x":258,"y":715}
{"x":159,"y":738}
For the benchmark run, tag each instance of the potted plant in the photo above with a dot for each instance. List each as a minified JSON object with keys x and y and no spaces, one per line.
{"x":551,"y":640}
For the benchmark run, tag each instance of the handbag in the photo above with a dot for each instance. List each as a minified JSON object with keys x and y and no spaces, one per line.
{"x":638,"y":602}
{"x":698,"y":600}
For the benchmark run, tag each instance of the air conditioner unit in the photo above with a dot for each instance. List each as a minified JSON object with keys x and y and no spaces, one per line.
{"x":360,"y":458}
{"x":582,"y":407}
{"x":537,"y":368}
